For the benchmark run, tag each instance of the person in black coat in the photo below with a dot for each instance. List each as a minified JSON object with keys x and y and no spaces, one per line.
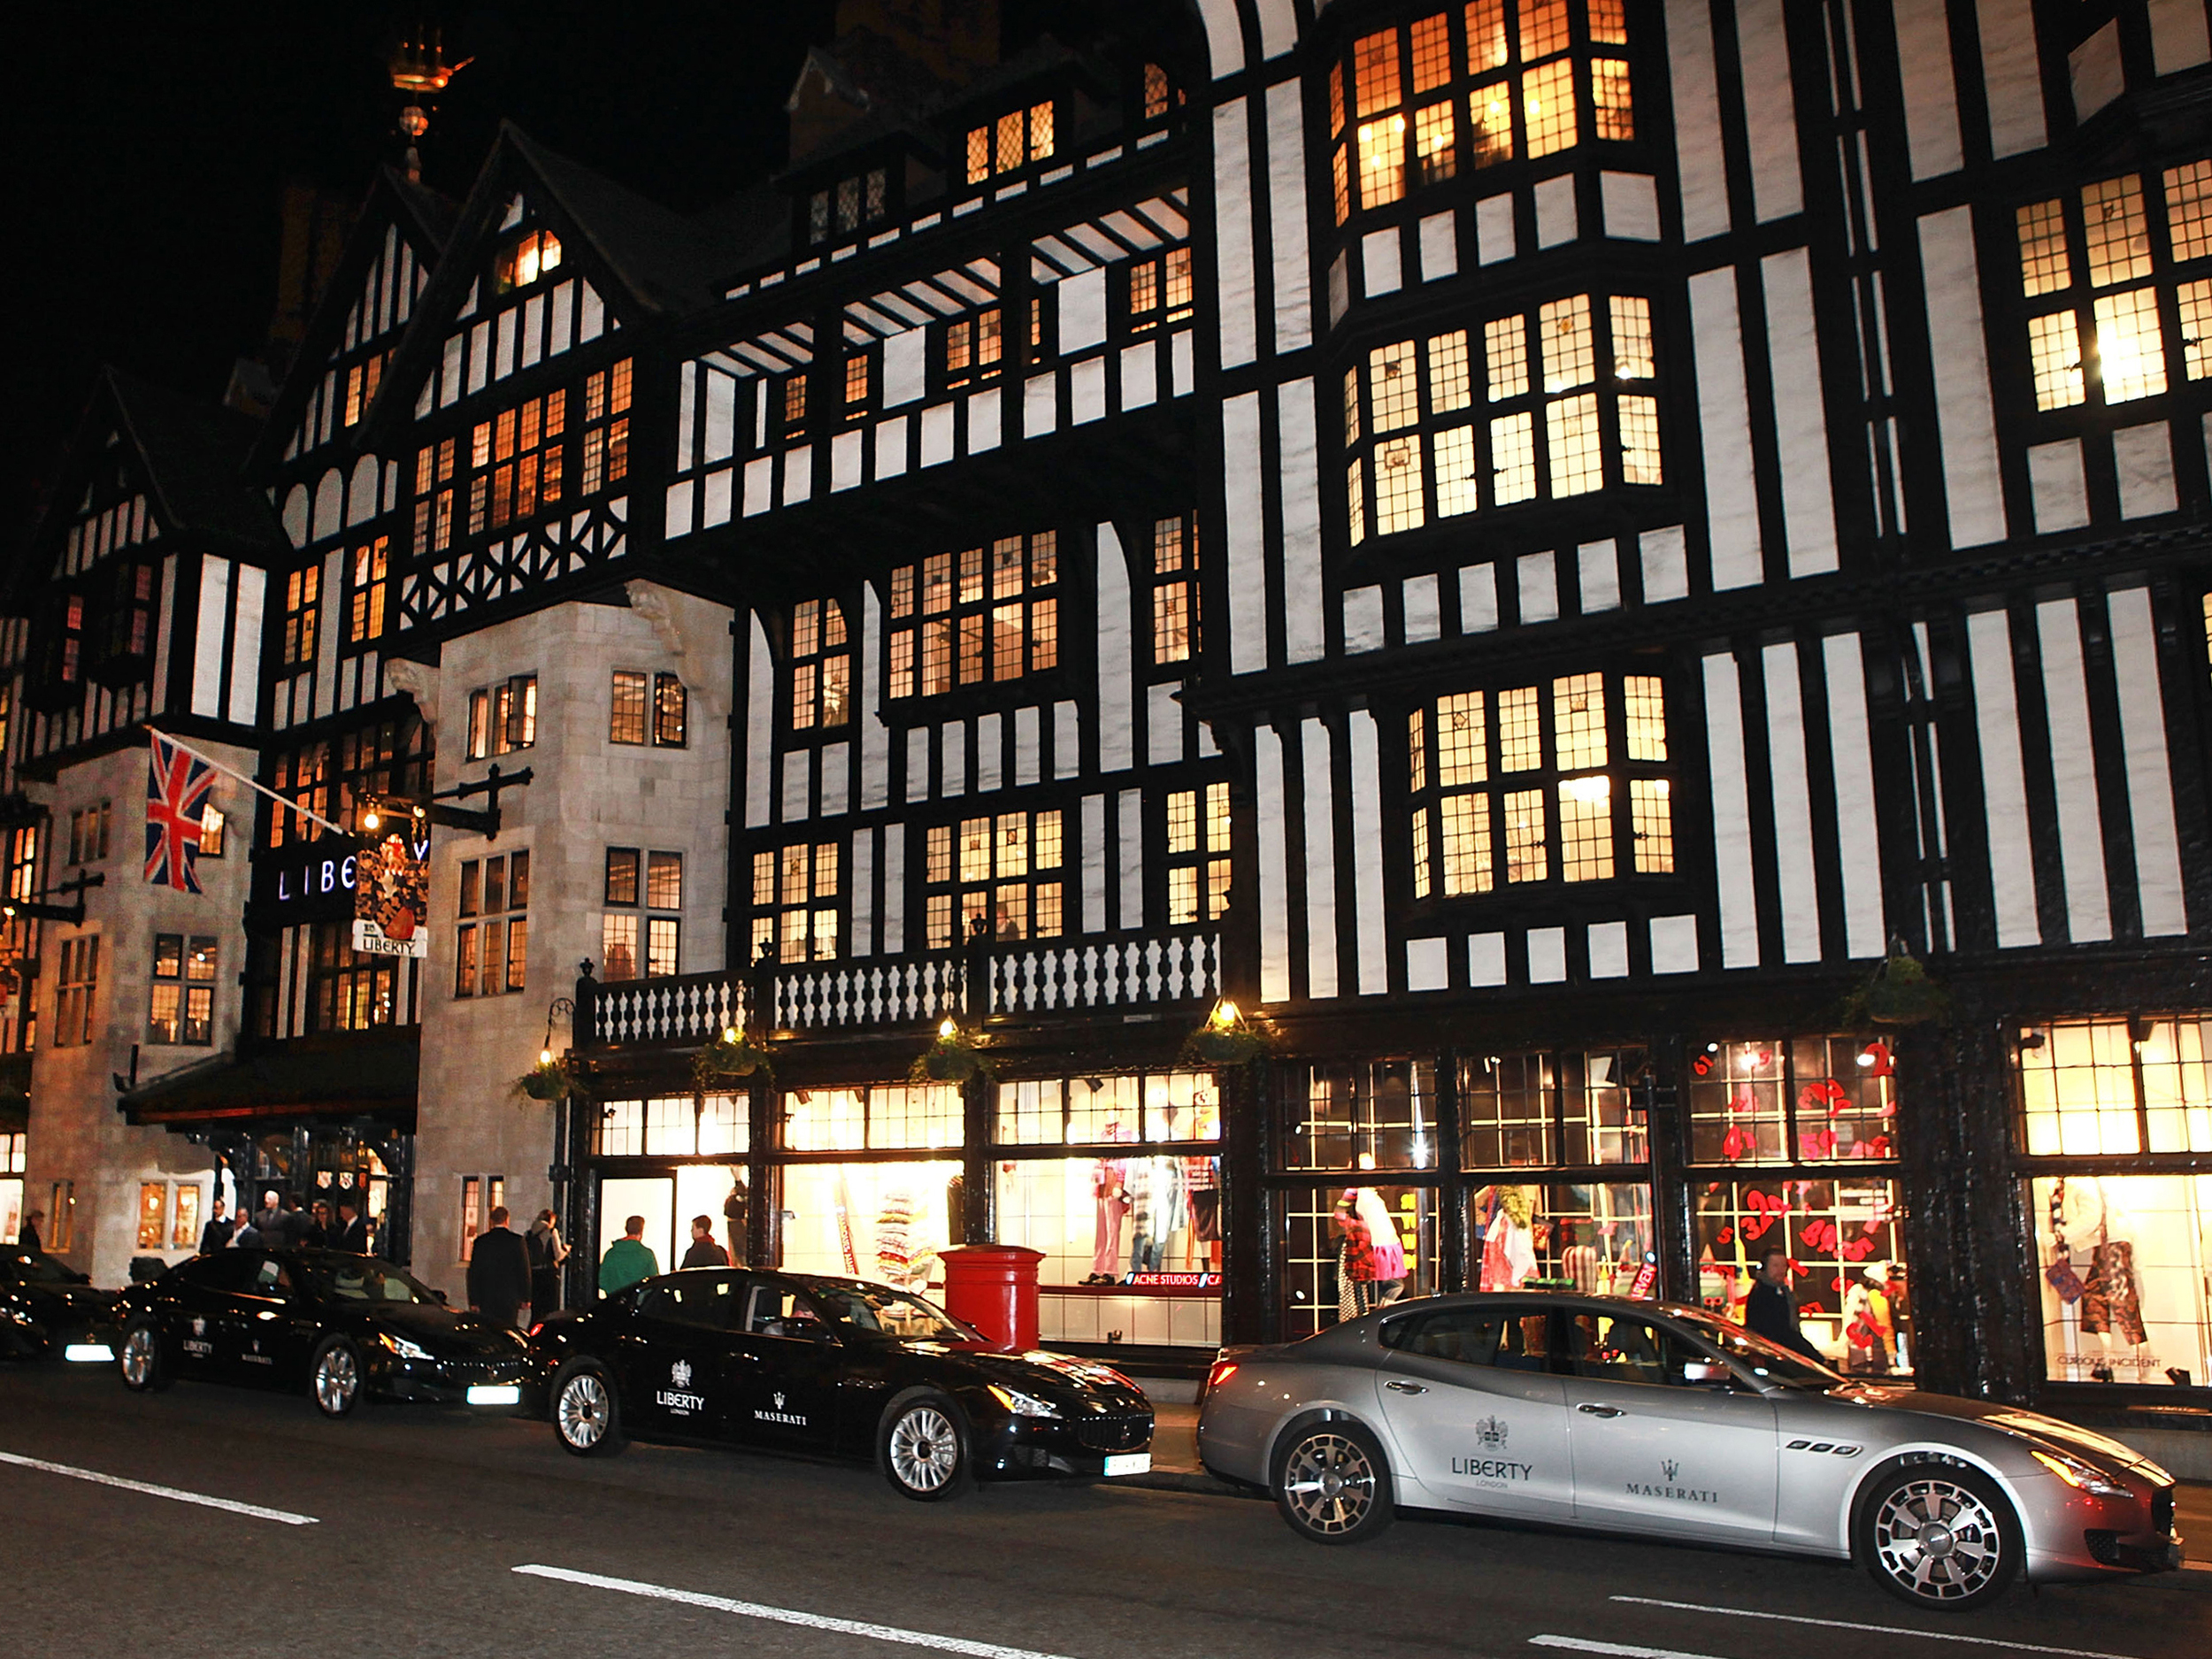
{"x":1771,"y":1310}
{"x":217,"y":1233}
{"x":353,"y":1233}
{"x":26,"y":1234}
{"x":499,"y":1273}
{"x":704,"y":1252}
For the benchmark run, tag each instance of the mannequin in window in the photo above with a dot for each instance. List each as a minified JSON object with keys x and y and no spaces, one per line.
{"x":1578,"y":1261}
{"x":1509,"y":1246}
{"x":1109,"y":1202}
{"x":1355,"y":1261}
{"x":1382,"y":1231}
{"x":1155,"y":1210}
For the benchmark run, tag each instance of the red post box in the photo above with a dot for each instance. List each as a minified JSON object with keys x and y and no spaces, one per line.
{"x":993,"y":1288}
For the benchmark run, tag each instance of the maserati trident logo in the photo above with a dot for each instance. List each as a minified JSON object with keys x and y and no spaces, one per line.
{"x":199,"y":1326}
{"x":780,"y":1402}
{"x":1669,"y":1466}
{"x":680,"y":1373}
{"x":1491,"y":1431}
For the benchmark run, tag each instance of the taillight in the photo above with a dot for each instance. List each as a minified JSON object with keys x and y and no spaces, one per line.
{"x":534,"y":1329}
{"x":1223,"y":1370}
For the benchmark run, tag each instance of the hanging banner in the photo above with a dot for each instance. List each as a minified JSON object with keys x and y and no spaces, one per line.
{"x":391,"y":898}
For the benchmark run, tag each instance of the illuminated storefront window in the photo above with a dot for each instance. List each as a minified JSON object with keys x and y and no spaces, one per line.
{"x":887,"y":1222}
{"x":2123,"y":1248}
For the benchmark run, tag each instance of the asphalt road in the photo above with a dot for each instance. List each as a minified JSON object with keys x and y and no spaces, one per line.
{"x":433,"y":1531}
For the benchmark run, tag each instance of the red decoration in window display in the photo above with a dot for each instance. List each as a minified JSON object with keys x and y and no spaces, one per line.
{"x":1767,"y":1208}
{"x":1738,"y":1141}
{"x":1828,"y":1093}
{"x":1816,"y":1143}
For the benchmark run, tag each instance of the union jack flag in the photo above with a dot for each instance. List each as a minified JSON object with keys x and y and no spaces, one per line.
{"x":177,"y":785}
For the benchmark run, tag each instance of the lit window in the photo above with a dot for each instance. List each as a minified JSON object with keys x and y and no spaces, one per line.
{"x":625,"y":722}
{"x":1562,"y":753}
{"x":2195,"y":304}
{"x":1197,"y":855}
{"x":515,"y":466}
{"x":2189,"y":210}
{"x":973,"y":347}
{"x":849,"y":205}
{"x":2118,"y":235}
{"x":492,"y":949}
{"x":1009,"y":144}
{"x":821,"y":665}
{"x":606,"y":442}
{"x":372,"y":572}
{"x":181,"y":998}
{"x":1174,"y":588}
{"x":2055,"y":355}
{"x":2044,"y":265}
{"x":795,"y":893}
{"x":302,"y":589}
{"x":2130,"y":353}
{"x":525,"y":260}
{"x":994,"y":878}
{"x":670,"y":711}
{"x":504,"y":718}
{"x":1160,"y":289}
{"x":981,"y":615}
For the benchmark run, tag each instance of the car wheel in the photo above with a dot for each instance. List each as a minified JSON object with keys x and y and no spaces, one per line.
{"x":141,"y":1362}
{"x":924,"y":1449}
{"x":587,"y":1416}
{"x":1937,"y":1535}
{"x":334,"y":1378}
{"x":1331,"y":1484}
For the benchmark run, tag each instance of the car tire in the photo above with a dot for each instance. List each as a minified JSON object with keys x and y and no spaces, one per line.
{"x":1939,"y":1535}
{"x":336,"y":1380}
{"x":924,"y":1447}
{"x":587,"y":1414}
{"x":139,"y":1360}
{"x":1331,"y":1483}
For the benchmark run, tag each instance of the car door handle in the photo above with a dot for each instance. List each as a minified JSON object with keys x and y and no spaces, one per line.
{"x":1602,"y":1411}
{"x":1406,"y":1387}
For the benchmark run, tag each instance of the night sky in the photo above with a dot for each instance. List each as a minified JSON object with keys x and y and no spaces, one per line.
{"x":151,"y":142}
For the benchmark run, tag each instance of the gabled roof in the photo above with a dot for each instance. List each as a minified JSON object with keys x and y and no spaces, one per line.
{"x":189,"y":457}
{"x":425,"y":218}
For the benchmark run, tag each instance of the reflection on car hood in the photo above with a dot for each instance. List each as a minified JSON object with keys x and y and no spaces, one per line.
{"x":2013,"y":1420}
{"x":1041,"y":1368}
{"x":443,"y":1331}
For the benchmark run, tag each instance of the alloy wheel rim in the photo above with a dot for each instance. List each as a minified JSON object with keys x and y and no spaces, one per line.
{"x":583,"y":1411}
{"x":925,"y":1450}
{"x":1329,"y":1483}
{"x":335,"y":1379}
{"x":1938,"y":1540}
{"x":138,"y":1356}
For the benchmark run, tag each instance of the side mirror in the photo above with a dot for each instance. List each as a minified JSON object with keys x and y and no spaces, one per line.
{"x":1707,"y":1371}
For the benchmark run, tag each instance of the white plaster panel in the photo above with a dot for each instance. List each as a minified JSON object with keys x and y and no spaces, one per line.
{"x":1369,"y":932}
{"x":1381,"y":267}
{"x":1674,"y":944}
{"x":2011,"y":76}
{"x":1242,"y":477}
{"x":1232,"y":235}
{"x":1630,"y":202}
{"x":937,"y":434}
{"x":1270,"y":830}
{"x":917,"y":765}
{"x":846,"y":451}
{"x":1440,"y":255}
{"x":1319,"y":819}
{"x":1485,"y":959}
{"x":952,"y":759}
{"x":2004,"y":786}
{"x":2178,"y":41}
{"x":797,"y":769}
{"x":1851,"y":753}
{"x":1363,"y":620}
{"x":1799,"y":896}
{"x":1304,"y":640}
{"x":1139,"y":375}
{"x":875,"y":737}
{"x":1494,"y":229}
{"x":905,"y":367}
{"x":1041,"y":405}
{"x":1094,"y":816}
{"x":760,"y":727}
{"x":1547,"y":956}
{"x":2074,"y":772}
{"x":2092,"y":69}
{"x":2143,"y":457}
{"x":2056,"y":488}
{"x":2150,"y":787}
{"x":1116,"y":703}
{"x":1287,"y":216}
{"x":1732,"y":814}
{"x":1428,"y":965}
{"x":245,"y":669}
{"x":1028,"y":747}
{"x":1478,"y":598}
{"x":1801,"y":418}
{"x":1538,"y":577}
{"x":1608,"y":950}
{"x":1555,"y":221}
{"x":1770,"y":110}
{"x":1087,"y":391}
{"x":891,"y":447}
{"x":837,"y":768}
{"x":1932,"y":104}
{"x":990,"y":751}
{"x":1598,"y":568}
{"x":1699,"y":159}
{"x":1162,"y":724}
{"x":1129,"y":846}
{"x":1417,"y":599}
{"x":1731,"y":505}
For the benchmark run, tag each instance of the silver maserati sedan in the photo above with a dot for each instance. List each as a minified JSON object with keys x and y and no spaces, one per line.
{"x":1662,"y":1420}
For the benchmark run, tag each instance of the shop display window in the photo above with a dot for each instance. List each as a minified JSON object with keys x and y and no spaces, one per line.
{"x":2090,"y":1087}
{"x":1518,"y":1110}
{"x":1592,"y":1238}
{"x":1370,"y":1117}
{"x":884,"y":1116}
{"x":1342,"y":1263}
{"x":1845,"y":1240}
{"x":153,"y":1209}
{"x":1102,"y":1220}
{"x":2124,"y":1277}
{"x":1807,"y":1100}
{"x":887,"y":1222}
{"x":184,"y":1223}
{"x":1101,"y":1111}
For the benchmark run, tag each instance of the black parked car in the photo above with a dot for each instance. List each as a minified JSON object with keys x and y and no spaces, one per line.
{"x":339,"y":1326}
{"x":835,"y":1367}
{"x":47,"y":1310}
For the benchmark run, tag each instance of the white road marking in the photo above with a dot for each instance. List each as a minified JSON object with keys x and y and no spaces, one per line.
{"x":788,"y":1616}
{"x":1578,"y":1644}
{"x":1881,"y":1629}
{"x":225,"y":1504}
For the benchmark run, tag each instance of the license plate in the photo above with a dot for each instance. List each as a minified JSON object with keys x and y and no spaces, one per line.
{"x":1129,"y":1463}
{"x":495,"y":1394}
{"x":88,"y":1351}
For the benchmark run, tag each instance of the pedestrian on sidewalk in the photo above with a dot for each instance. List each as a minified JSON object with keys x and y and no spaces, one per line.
{"x":499,"y":1273}
{"x":26,"y":1234}
{"x":704,"y":1252}
{"x":548,"y":1251}
{"x":628,"y":1259}
{"x":217,"y":1233}
{"x":1771,"y":1310}
{"x":353,"y":1233}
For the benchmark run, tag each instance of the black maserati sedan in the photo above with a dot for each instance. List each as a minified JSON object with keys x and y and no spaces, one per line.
{"x":47,"y":1311}
{"x":835,"y":1368}
{"x":344,"y":1327}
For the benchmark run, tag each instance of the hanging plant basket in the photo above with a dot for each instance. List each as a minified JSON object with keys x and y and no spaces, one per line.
{"x":1898,"y":991}
{"x":1227,"y":1038}
{"x":547,"y":1080}
{"x":951,"y":1059}
{"x":726,"y":1060}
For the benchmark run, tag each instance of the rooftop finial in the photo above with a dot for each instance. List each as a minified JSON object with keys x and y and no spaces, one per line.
{"x":420,"y":70}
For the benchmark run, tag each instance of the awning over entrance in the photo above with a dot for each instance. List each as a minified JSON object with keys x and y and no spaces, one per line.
{"x":351,"y":1074}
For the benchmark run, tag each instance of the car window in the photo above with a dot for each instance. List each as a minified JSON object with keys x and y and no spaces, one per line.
{"x":1508,"y":1339}
{"x":694,"y":1299}
{"x":779,"y":1311}
{"x":358,"y":1279}
{"x":270,"y":1278}
{"x":229,"y":1271}
{"x":1620,"y":1348}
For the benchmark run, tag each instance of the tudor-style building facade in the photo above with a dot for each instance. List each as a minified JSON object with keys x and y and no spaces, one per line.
{"x":1532,"y":544}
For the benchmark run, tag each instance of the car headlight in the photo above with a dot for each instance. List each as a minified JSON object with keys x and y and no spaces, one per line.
{"x":402,"y":1347}
{"x":2081,"y":1476}
{"x":1022,"y":1405}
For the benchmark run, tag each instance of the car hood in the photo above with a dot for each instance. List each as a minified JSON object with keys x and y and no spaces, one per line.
{"x":2030,"y":1426}
{"x":1040,"y":1370}
{"x":446,"y":1334}
{"x":81,"y":1300}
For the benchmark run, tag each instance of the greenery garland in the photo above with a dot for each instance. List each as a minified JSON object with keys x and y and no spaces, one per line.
{"x":731,"y":1055}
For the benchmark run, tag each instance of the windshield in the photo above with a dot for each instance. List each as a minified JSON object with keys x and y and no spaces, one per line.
{"x":1767,"y":1361}
{"x":360,"y":1279}
{"x":872,"y":1307}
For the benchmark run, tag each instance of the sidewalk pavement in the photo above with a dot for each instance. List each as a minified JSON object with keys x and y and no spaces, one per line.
{"x":1175,"y":1468}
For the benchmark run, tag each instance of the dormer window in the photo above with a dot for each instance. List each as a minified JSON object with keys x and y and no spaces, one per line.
{"x":972,"y":348}
{"x":1160,"y":289}
{"x":1160,"y":93}
{"x":538,"y":252}
{"x":852,"y":205}
{"x":1011,"y":144}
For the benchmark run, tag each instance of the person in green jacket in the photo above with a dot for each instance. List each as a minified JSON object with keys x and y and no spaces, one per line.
{"x":628,"y":1259}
